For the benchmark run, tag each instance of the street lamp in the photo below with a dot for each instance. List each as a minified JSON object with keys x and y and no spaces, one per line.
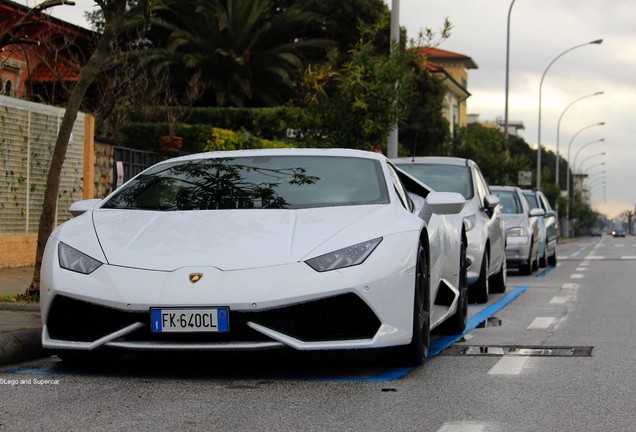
{"x":556,"y":169}
{"x":583,"y":146}
{"x":566,"y":229}
{"x":580,"y":167}
{"x":590,"y":167}
{"x":507,"y":74}
{"x":567,"y":185}
{"x":594,"y":42}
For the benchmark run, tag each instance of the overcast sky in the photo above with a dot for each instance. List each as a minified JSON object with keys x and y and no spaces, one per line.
{"x":540,"y":31}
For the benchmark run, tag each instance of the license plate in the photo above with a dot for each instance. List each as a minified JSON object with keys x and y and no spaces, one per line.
{"x":215,"y":320}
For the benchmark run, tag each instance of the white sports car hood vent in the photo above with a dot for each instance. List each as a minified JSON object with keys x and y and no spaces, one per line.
{"x":226,"y":239}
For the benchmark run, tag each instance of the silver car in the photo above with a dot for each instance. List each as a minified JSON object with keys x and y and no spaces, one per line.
{"x":485,"y":228}
{"x":548,"y":227}
{"x":522,"y":228}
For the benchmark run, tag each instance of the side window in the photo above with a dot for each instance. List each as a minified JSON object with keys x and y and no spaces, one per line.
{"x":482,"y":188}
{"x":399,"y":188}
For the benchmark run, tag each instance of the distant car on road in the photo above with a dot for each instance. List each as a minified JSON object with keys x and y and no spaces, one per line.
{"x":548,"y":227}
{"x":486,"y":233}
{"x":618,"y":233}
{"x":522,"y":228}
{"x":596,"y":233}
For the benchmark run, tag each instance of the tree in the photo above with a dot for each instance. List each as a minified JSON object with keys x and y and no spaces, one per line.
{"x":425,"y":130}
{"x":118,"y":17}
{"x":486,"y":147}
{"x":356,"y":103}
{"x":234,"y":52}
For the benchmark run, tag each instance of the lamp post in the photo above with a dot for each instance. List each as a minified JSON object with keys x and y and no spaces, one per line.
{"x":567,"y":211}
{"x":583,"y":146}
{"x":556,"y":169}
{"x":597,"y":181}
{"x":392,"y":145}
{"x":594,"y":42}
{"x":580,"y":168}
{"x":507,"y":75}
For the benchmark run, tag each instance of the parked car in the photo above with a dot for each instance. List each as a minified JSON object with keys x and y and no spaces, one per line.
{"x":522,"y":228}
{"x":596,"y":233}
{"x":548,"y":227}
{"x":486,"y":233}
{"x":257,"y":249}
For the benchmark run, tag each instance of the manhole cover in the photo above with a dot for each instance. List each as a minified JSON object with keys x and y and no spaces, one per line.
{"x":518,"y":350}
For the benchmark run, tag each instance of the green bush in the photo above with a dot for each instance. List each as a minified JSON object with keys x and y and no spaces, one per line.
{"x":223,"y":139}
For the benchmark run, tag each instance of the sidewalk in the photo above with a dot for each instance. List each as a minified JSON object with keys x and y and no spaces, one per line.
{"x":20,"y":324}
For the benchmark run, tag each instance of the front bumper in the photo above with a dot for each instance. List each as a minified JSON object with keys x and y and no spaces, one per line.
{"x":518,"y":250}
{"x":366,"y":306}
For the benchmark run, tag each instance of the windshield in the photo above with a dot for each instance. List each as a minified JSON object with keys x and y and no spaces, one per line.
{"x":442,"y":178}
{"x":509,"y":202}
{"x":279,"y":182}
{"x":533,"y":200}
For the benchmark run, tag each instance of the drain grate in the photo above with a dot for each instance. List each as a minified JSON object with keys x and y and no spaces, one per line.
{"x":518,"y":350}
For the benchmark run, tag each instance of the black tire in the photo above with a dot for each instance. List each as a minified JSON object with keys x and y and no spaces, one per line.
{"x":552,"y":260}
{"x":457,"y":323}
{"x":414,"y":353}
{"x":526,"y":268}
{"x":498,"y":281}
{"x":543,"y":260}
{"x":478,"y":292}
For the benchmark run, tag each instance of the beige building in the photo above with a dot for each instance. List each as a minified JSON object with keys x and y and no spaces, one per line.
{"x":452,"y":68}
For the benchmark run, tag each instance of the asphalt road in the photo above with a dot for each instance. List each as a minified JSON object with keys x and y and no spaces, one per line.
{"x":560,"y":356}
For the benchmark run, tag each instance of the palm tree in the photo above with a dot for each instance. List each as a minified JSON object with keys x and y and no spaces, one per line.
{"x":234,"y":52}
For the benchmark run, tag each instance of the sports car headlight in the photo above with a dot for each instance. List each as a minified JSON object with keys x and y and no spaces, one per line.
{"x":470,"y":222}
{"x":345,"y":257}
{"x":517,"y":232}
{"x":74,"y":260}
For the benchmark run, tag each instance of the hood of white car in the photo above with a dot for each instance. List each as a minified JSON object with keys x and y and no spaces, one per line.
{"x":512,"y":220}
{"x":227,"y":239}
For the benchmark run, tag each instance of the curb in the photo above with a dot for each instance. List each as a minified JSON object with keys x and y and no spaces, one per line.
{"x":21,"y":345}
{"x":29,"y":307}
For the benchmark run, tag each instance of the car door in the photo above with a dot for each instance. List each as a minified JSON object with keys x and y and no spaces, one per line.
{"x":493,"y":220}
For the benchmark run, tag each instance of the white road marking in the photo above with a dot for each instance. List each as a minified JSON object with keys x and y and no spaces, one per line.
{"x":559,"y":300}
{"x":541,"y":323}
{"x":577,"y":276}
{"x":593,"y":257}
{"x":462,"y":427}
{"x":585,"y":263}
{"x":628,"y":257}
{"x":581,"y":269}
{"x":570,"y":286}
{"x":508,"y":366}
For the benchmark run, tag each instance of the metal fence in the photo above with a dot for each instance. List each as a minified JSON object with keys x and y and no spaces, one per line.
{"x":132,"y":162}
{"x":28,"y":132}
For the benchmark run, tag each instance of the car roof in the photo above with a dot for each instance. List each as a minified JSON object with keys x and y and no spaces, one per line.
{"x":282,"y":152}
{"x":444,"y":160}
{"x":505,"y":188}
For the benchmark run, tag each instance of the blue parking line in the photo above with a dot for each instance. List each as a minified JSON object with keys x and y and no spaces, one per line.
{"x":546,"y":271}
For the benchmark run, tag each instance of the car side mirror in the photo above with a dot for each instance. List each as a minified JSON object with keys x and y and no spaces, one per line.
{"x":80,"y":207}
{"x":445,"y":203}
{"x":491,"y":201}
{"x":537,"y":212}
